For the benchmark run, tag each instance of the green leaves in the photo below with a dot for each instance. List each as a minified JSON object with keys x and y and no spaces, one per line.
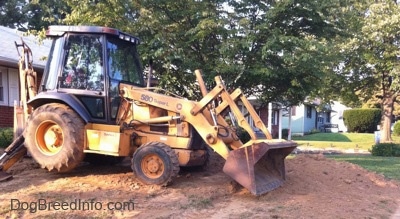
{"x":32,"y":15}
{"x":291,"y":41}
{"x":281,"y":50}
{"x":371,"y":58}
{"x":372,"y":53}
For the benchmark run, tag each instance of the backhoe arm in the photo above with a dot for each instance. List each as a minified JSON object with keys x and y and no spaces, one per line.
{"x":28,"y":90}
{"x":11,"y":155}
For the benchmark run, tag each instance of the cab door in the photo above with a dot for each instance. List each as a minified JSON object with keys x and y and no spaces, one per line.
{"x":123,"y":66}
{"x":83,"y":73}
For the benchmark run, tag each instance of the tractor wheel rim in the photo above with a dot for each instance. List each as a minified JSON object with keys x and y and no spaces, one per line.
{"x":153,"y":166}
{"x":50,"y":138}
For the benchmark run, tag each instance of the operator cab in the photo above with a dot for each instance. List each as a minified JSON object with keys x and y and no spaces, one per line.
{"x":84,"y":69}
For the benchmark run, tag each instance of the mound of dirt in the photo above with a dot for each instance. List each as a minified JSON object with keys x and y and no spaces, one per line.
{"x":315,"y":187}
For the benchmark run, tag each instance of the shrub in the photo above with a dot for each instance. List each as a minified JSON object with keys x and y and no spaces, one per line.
{"x":6,"y":137}
{"x":386,"y":150}
{"x":243,"y":134}
{"x":396,"y":129}
{"x":362,"y":120}
{"x":314,"y":131}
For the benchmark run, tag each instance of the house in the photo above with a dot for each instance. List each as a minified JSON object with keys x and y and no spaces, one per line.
{"x":304,"y":118}
{"x":309,"y":117}
{"x":337,"y":115}
{"x":273,"y":111}
{"x":9,"y":75}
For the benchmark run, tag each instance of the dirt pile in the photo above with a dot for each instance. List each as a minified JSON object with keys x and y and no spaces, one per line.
{"x":315,"y":187}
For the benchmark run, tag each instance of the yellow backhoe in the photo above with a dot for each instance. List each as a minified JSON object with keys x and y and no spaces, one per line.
{"x":93,"y":104}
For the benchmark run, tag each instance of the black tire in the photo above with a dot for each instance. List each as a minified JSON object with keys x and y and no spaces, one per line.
{"x":155,"y":163}
{"x":55,"y":136}
{"x":102,"y":160}
{"x":209,"y":152}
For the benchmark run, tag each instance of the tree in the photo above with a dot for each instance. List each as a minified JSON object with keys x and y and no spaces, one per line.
{"x":43,"y":13}
{"x":32,"y":15}
{"x":119,"y":14}
{"x":277,"y":50}
{"x":11,"y":13}
{"x":286,"y":48}
{"x":180,"y":36}
{"x":372,"y":61}
{"x":280,"y":51}
{"x":348,"y":15}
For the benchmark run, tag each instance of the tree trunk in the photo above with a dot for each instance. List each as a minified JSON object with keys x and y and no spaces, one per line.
{"x":386,"y":120}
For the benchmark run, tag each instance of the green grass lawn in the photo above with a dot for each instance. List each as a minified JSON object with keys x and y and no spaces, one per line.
{"x":362,"y":141}
{"x":388,"y":166}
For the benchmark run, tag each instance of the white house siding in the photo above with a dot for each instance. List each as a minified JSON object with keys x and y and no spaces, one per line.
{"x":337,"y":115}
{"x":301,"y":124}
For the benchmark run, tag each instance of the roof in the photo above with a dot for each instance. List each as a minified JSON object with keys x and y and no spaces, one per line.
{"x":59,"y":30}
{"x":9,"y":54}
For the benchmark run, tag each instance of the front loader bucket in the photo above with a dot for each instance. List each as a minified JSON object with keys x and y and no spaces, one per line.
{"x":260,"y":165}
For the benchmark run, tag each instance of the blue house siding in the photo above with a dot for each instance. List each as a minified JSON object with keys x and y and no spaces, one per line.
{"x":303,"y":121}
{"x":309,"y":122}
{"x":297,"y":124}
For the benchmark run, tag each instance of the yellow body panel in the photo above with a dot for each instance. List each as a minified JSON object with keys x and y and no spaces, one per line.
{"x":107,"y":139}
{"x":172,"y":141}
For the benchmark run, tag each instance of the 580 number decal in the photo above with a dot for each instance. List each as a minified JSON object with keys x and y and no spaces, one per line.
{"x":147,"y":98}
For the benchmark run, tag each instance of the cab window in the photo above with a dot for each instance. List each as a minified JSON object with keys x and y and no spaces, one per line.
{"x":83,"y":65}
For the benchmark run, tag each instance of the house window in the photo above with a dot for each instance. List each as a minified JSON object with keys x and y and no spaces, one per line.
{"x":9,"y":86}
{"x":320,"y":118}
{"x":1,"y":87}
{"x":328,"y":117}
{"x":274,"y":119}
{"x":309,"y":110}
{"x":293,"y":111}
